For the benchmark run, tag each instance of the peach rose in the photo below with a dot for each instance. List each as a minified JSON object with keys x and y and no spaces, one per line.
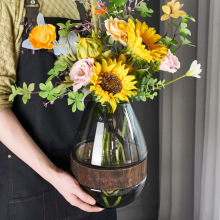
{"x":41,"y":37}
{"x":117,"y":29}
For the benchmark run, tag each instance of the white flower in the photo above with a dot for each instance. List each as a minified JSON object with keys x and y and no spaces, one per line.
{"x":195,"y":70}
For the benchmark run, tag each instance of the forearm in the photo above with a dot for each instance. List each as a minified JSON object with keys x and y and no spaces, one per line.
{"x":13,"y":135}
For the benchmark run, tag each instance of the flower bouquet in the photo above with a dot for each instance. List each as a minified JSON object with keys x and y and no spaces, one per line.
{"x":109,"y":61}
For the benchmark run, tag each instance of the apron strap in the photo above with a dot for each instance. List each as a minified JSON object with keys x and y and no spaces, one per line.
{"x":32,"y":10}
{"x":81,"y":10}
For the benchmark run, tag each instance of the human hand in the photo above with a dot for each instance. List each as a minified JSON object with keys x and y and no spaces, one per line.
{"x":70,"y":189}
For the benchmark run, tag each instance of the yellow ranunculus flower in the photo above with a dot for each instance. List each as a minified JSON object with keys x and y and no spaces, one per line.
{"x":172,"y":9}
{"x":88,"y":47}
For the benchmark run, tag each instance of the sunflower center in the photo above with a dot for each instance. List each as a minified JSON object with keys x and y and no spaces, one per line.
{"x":146,"y":45}
{"x":111,"y":83}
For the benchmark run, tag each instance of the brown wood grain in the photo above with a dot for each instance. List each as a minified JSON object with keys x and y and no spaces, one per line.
{"x":108,"y":179}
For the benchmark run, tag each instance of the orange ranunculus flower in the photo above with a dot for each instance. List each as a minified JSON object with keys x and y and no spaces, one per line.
{"x":41,"y":36}
{"x":117,"y":29}
{"x":172,"y":9}
{"x":101,"y":11}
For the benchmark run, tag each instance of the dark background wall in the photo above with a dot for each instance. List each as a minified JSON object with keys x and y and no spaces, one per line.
{"x":146,"y":207}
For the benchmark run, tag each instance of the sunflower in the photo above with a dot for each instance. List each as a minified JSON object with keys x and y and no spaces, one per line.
{"x":111,"y":82}
{"x":143,"y":42}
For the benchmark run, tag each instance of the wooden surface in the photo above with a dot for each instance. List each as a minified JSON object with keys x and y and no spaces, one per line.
{"x":108,"y":179}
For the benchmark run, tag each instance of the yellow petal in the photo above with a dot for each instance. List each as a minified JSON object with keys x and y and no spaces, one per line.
{"x":166,"y":9}
{"x":181,"y":13}
{"x":98,"y":67}
{"x":113,"y":104}
{"x":122,"y":58}
{"x":165,"y":17}
{"x":176,"y":7}
{"x":104,"y":65}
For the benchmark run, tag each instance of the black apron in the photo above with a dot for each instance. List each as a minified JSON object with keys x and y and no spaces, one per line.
{"x":24,"y":195}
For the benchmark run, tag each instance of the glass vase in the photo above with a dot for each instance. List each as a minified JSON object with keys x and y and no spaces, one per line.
{"x":109,"y":155}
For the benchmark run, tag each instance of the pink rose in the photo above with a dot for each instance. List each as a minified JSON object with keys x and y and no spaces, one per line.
{"x":81,"y":72}
{"x":170,"y":63}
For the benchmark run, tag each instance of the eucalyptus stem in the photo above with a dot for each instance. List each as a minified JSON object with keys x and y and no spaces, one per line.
{"x":68,"y":61}
{"x":68,"y":47}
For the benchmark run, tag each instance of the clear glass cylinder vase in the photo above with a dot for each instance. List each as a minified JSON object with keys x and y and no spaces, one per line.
{"x":109,"y":155}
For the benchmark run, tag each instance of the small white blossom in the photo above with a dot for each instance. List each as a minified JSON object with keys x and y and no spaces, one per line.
{"x":195,"y":70}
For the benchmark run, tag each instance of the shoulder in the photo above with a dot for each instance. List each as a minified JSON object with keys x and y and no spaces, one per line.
{"x":13,"y":7}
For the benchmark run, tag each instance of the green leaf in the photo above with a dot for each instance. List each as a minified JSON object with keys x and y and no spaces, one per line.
{"x":118,"y":2}
{"x":184,"y":40}
{"x":61,"y":25}
{"x":12,"y":97}
{"x":31,"y":87}
{"x":42,"y":86}
{"x":145,"y":11}
{"x":49,"y":86}
{"x":174,"y":42}
{"x":80,"y":106}
{"x":43,"y":94}
{"x":70,"y":101}
{"x":167,"y":40}
{"x":74,"y":107}
{"x":55,"y":91}
{"x":105,"y":16}
{"x":24,"y":86}
{"x":52,"y":72}
{"x":175,"y":25}
{"x":72,"y":95}
{"x":25,"y":98}
{"x":184,"y":20}
{"x":190,"y":17}
{"x":186,"y":31}
{"x":68,"y":23}
{"x":51,"y":97}
{"x":62,"y":33}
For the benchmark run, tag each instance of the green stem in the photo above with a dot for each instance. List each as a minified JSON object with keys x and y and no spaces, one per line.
{"x":178,"y":47}
{"x":103,"y":145}
{"x":168,"y":29}
{"x":159,"y":87}
{"x":110,"y":192}
{"x":120,"y":147}
{"x":107,"y":149}
{"x":94,"y":17}
{"x":115,"y":204}
{"x":116,"y":46}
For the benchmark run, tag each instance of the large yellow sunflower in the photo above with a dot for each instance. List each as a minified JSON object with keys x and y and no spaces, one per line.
{"x":143,"y":42}
{"x":111,"y":82}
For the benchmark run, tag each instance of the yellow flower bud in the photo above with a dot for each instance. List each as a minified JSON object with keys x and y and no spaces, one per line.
{"x":88,"y":47}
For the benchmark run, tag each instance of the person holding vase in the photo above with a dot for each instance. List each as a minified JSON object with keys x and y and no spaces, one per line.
{"x":35,"y":179}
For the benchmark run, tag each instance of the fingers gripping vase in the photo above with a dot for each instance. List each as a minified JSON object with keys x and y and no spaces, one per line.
{"x":109,"y":155}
